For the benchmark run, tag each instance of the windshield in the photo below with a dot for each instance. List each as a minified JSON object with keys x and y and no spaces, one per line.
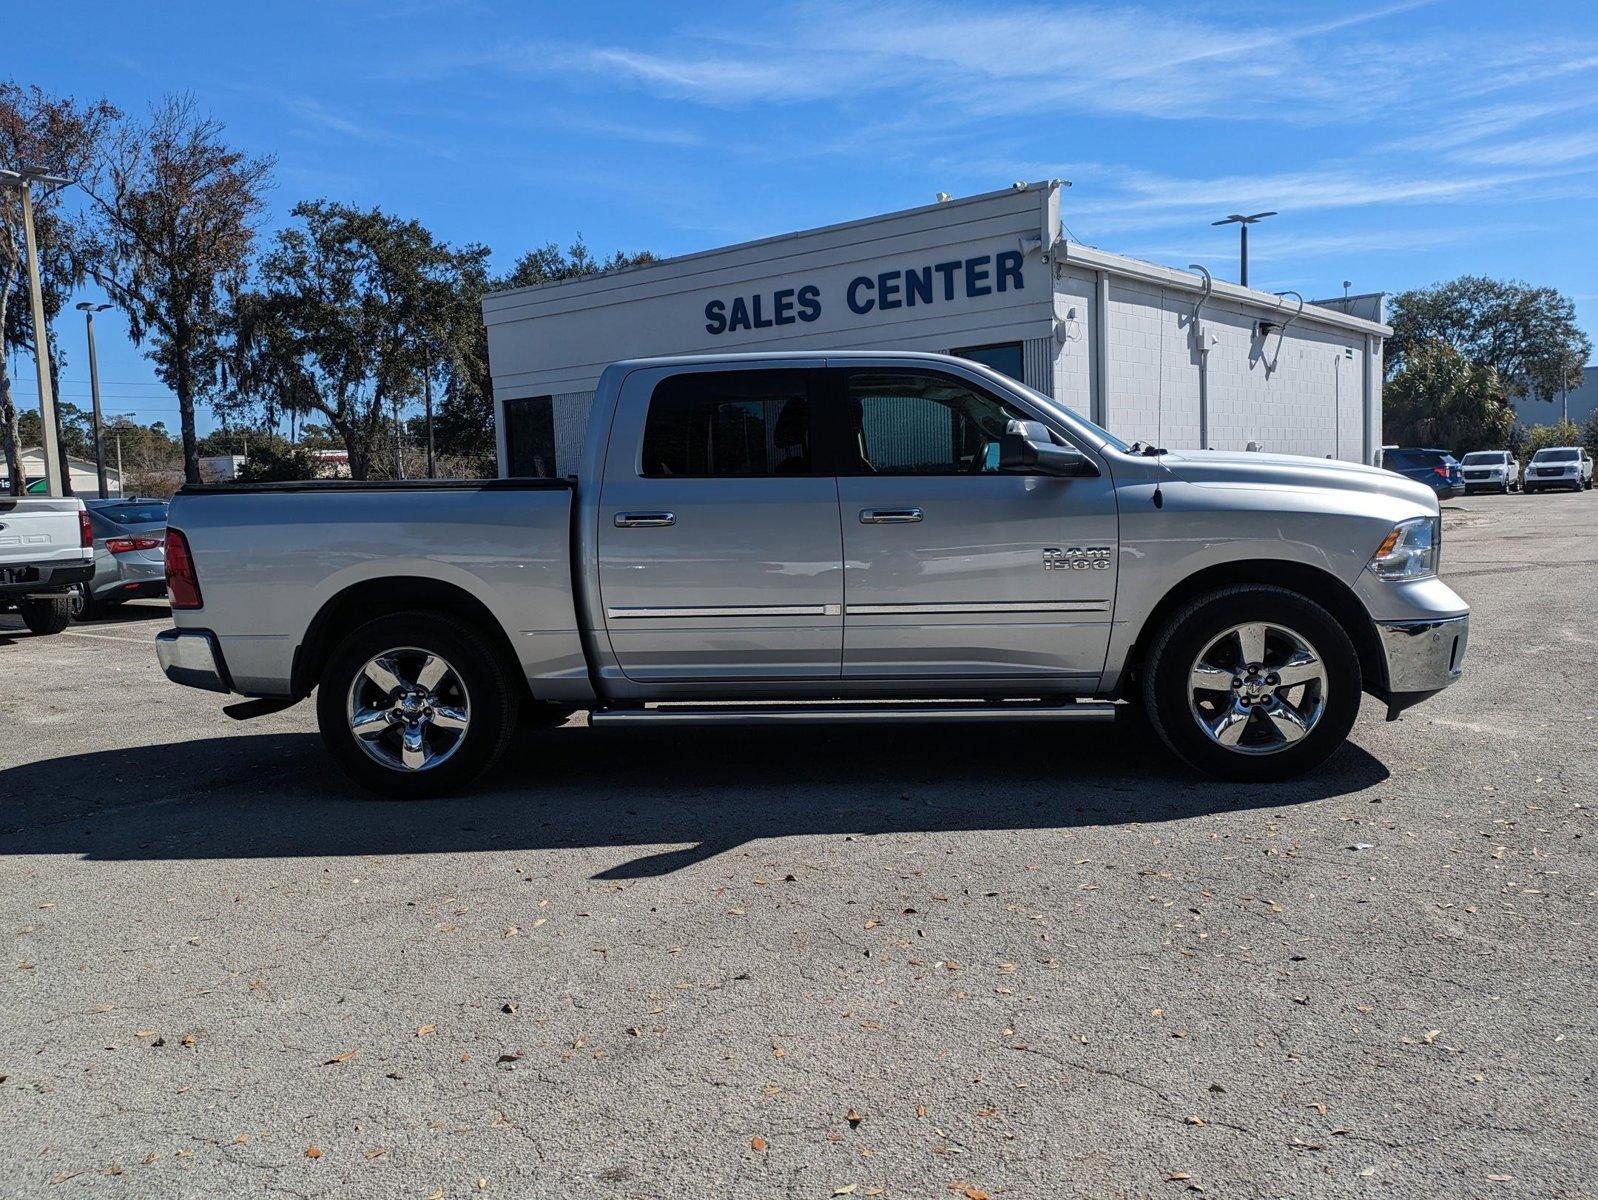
{"x":1048,"y":403}
{"x":1479,"y":458}
{"x":1555,"y":456}
{"x":133,"y":514}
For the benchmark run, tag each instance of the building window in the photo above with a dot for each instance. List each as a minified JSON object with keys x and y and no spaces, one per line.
{"x":729,"y":423}
{"x":915,"y":423}
{"x":1003,"y":357}
{"x":530,"y":436}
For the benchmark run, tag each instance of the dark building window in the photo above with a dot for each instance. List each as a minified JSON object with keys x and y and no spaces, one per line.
{"x":1003,"y":357}
{"x":729,"y":423}
{"x":530,"y":436}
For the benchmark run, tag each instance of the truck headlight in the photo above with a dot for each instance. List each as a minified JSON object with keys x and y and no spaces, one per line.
{"x":1410,"y":551}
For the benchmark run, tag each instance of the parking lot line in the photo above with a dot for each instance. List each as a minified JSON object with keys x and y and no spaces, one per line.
{"x":109,"y":637}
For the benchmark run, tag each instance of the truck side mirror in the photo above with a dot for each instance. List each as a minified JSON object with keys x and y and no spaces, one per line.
{"x":1026,"y":446}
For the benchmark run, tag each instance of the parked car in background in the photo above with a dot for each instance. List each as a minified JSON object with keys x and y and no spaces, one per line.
{"x":853,"y":536}
{"x":1559,"y":467}
{"x":129,"y":554}
{"x":1490,"y":471}
{"x":44,"y":553}
{"x":1437,"y":469}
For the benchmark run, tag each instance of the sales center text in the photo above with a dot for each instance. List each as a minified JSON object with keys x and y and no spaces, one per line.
{"x":982,"y":275}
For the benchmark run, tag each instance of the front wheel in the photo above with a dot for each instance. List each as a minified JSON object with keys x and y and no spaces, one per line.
{"x":415,"y":704}
{"x":1253,"y":683}
{"x":46,"y":614}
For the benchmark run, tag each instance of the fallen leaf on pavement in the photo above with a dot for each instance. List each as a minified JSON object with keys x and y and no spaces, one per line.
{"x":425,"y":1030}
{"x":341,"y":1058}
{"x":312,"y":1152}
{"x":757,"y":1143}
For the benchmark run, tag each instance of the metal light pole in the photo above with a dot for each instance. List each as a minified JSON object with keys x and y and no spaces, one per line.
{"x":427,"y":380}
{"x":1243,"y":222}
{"x":88,"y":309}
{"x":23,"y":181}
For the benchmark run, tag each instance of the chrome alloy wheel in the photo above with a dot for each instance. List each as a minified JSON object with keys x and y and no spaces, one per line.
{"x":1257,"y":688}
{"x":408,"y":709}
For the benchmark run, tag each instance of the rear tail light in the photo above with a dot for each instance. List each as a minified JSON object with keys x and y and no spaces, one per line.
{"x":1443,"y":471}
{"x":85,"y":530}
{"x":127,"y":545}
{"x":182,"y":582}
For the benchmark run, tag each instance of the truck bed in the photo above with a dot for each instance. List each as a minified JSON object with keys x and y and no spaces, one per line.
{"x":274,"y":558}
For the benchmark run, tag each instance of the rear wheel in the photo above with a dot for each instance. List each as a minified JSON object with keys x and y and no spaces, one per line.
{"x":1254,"y":683}
{"x":46,"y":614}
{"x":414,"y":705}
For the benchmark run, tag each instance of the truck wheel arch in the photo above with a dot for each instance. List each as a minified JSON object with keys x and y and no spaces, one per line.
{"x":369,"y":598}
{"x":1322,"y":587}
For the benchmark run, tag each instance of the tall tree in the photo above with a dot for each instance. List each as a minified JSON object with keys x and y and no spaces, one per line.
{"x":465,"y":424}
{"x":1440,"y":398}
{"x":176,"y":211}
{"x":1527,"y":334}
{"x":353,"y":311}
{"x":61,"y":137}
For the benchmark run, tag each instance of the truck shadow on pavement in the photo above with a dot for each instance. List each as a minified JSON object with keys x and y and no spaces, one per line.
{"x":698,"y":793}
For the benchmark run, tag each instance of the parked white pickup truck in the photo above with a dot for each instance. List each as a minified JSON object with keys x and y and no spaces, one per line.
{"x":822,"y":537}
{"x":46,"y":547}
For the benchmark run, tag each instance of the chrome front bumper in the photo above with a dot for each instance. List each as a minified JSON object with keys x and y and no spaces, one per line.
{"x":191,"y":657}
{"x":1423,"y":657}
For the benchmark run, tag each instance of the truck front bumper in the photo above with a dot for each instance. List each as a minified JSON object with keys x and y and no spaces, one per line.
{"x":191,"y":657}
{"x":1422,"y":657}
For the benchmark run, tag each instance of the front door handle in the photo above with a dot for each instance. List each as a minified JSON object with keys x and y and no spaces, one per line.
{"x":889,"y":516}
{"x":644,"y":520}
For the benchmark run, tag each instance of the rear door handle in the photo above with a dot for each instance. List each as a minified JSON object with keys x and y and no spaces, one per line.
{"x":889,"y":516}
{"x":644,"y":520}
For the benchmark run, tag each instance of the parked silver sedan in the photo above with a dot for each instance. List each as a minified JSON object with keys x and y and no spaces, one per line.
{"x":129,"y":554}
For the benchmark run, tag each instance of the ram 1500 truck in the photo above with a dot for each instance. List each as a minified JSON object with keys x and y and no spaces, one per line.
{"x":822,"y":537}
{"x":46,"y":548}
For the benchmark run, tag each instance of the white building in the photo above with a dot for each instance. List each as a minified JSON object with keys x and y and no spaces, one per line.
{"x":1150,"y":352}
{"x":84,"y":480}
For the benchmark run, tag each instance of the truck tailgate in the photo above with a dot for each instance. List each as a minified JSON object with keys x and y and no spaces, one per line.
{"x":41,"y":530}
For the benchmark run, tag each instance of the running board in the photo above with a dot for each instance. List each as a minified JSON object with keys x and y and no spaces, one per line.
{"x":838,"y":714}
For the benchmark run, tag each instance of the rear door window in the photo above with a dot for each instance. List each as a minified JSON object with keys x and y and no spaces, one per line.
{"x":729,"y":423}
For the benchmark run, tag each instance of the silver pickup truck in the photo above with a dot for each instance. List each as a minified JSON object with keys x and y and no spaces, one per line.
{"x":822,"y":537}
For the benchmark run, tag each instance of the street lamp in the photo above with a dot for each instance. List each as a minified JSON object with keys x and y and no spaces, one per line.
{"x":1242,"y":224}
{"x":23,"y":180}
{"x":88,"y":308}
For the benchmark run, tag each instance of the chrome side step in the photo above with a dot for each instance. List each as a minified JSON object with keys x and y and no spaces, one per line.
{"x":909,"y":712}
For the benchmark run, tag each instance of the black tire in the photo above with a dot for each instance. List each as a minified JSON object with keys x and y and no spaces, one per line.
{"x":481,"y":678}
{"x":82,"y":604}
{"x":46,"y":615}
{"x":1176,"y":647}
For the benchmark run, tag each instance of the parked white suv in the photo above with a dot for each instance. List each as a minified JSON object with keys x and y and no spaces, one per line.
{"x":1491,"y":470}
{"x":1559,"y":467}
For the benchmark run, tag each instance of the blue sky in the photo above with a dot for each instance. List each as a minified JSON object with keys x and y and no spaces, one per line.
{"x":1403,"y":143}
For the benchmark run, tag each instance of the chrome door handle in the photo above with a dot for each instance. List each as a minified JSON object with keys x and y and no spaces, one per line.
{"x":644,"y":520}
{"x":889,"y":516}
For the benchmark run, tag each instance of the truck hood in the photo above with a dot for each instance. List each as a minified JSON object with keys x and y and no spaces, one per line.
{"x":1223,"y":467}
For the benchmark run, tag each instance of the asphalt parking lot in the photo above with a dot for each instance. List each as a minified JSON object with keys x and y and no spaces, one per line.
{"x":811,"y":964}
